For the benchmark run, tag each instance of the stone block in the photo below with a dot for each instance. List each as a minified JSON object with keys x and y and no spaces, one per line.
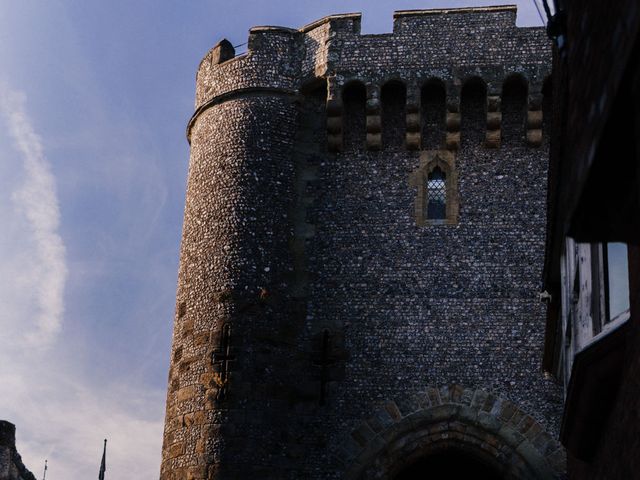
{"x":507,"y":410}
{"x":413,"y":140}
{"x":453,"y":122}
{"x":187,"y":393}
{"x":197,"y":473}
{"x":434,"y":396}
{"x":374,"y":124}
{"x":494,"y":119}
{"x":533,"y":432}
{"x":413,"y":122}
{"x":489,"y":422}
{"x":534,"y":138}
{"x":489,"y":401}
{"x":176,"y":450}
{"x":479,"y":397}
{"x":456,"y":392}
{"x":193,"y":418}
{"x":374,"y":141}
{"x":393,"y":411}
{"x":534,"y":119}
{"x":453,"y":141}
{"x":201,"y":339}
{"x":511,"y":436}
{"x":380,"y":420}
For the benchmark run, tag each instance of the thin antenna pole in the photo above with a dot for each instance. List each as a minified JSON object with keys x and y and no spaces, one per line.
{"x":103,"y":463}
{"x":44,"y":475}
{"x":535,"y":2}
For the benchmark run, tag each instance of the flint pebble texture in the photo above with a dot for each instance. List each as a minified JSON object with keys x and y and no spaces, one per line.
{"x":309,"y":291}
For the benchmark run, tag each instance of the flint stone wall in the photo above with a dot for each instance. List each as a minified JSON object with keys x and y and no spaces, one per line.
{"x":307,"y":292}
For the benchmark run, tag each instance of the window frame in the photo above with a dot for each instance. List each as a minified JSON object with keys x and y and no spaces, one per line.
{"x":429,"y":160}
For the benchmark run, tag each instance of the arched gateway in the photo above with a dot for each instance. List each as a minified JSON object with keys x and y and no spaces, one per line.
{"x":452,"y":432}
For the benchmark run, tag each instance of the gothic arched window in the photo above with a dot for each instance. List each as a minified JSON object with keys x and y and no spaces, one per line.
{"x":436,"y":195}
{"x":436,"y":184}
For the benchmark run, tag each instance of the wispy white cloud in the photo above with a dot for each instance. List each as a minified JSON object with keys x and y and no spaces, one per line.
{"x":36,"y":200}
{"x":61,"y":411}
{"x":67,"y":421}
{"x":62,"y":418}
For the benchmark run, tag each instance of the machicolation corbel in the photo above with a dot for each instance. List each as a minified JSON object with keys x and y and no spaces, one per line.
{"x":534,"y":120}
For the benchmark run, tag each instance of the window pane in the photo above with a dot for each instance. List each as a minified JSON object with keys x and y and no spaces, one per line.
{"x":618,"y":278}
{"x":437,"y":192}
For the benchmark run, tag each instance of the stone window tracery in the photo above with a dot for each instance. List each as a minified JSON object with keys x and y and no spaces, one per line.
{"x":436,"y":186}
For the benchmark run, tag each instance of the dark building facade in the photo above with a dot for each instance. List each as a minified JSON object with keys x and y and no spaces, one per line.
{"x":592,"y":262}
{"x":358,"y":293}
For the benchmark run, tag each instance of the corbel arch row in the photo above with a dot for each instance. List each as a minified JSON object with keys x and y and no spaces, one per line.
{"x":434,"y":113}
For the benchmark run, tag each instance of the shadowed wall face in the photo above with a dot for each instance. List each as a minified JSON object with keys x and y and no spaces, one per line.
{"x":450,"y":465}
{"x":393,"y":97}
{"x":354,"y":97}
{"x":473,"y":111}
{"x":432,"y":114}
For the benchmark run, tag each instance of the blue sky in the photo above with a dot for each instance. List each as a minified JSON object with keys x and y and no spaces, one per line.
{"x":94,"y":100}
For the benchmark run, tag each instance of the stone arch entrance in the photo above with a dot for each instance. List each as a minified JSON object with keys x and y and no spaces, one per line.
{"x":452,"y":428}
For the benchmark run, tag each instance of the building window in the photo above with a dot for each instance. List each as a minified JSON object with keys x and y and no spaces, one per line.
{"x":436,"y":186}
{"x":616,"y":279}
{"x":610,"y":280}
{"x":437,"y":195}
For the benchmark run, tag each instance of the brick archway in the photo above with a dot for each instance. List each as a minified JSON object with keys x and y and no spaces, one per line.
{"x":473,"y":423}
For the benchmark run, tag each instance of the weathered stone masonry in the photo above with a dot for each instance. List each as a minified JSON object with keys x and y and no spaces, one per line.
{"x":324,"y":327}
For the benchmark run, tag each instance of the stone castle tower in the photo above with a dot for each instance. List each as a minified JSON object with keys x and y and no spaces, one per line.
{"x":361,"y":259}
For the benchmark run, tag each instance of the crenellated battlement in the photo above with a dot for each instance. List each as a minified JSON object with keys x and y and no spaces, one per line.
{"x":451,"y":46}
